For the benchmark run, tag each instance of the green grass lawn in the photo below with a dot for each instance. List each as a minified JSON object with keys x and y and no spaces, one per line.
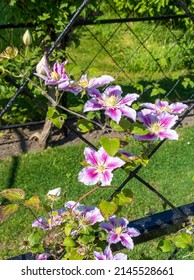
{"x":170,"y":171}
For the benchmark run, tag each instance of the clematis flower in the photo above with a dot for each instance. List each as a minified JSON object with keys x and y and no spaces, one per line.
{"x":87,"y":84}
{"x":42,"y":257}
{"x":100,"y":167}
{"x":112,"y":102}
{"x":159,"y":126}
{"x":55,"y":76}
{"x":164,"y":107}
{"x":120,"y":232}
{"x":41,"y":223}
{"x":108,"y":255}
{"x":90,"y":214}
{"x":90,"y":84}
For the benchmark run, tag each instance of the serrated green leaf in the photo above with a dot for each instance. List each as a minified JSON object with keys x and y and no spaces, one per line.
{"x":124,"y":197}
{"x":34,"y":239}
{"x":32,"y":202}
{"x":7,"y":210}
{"x":182,"y":240}
{"x":110,"y":145}
{"x":138,"y":129}
{"x":165,"y":245}
{"x":85,"y":125}
{"x":72,"y":254}
{"x":107,"y":209}
{"x":58,"y":121}
{"x":77,"y":109}
{"x":85,"y":239}
{"x":13,"y":194}
{"x":69,"y":242}
{"x":122,"y":126}
{"x":51,"y":111}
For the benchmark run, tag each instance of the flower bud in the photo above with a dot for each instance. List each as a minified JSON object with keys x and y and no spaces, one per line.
{"x":27,"y":38}
{"x":40,"y":67}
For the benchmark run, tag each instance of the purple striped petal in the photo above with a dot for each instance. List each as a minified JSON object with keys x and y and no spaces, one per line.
{"x":92,"y":105}
{"x":113,"y":238}
{"x":177,"y":107}
{"x":128,"y":112}
{"x":114,"y":114}
{"x":129,"y":98}
{"x":147,"y":137}
{"x":133,"y":232}
{"x":120,"y":256}
{"x":169,"y":134}
{"x":99,"y":256}
{"x":88,"y":176}
{"x":113,"y":90}
{"x":114,"y":163}
{"x":106,"y":226}
{"x":122,"y":222}
{"x":100,"y":81}
{"x":167,"y":120}
{"x":106,"y":178}
{"x":91,"y":156}
{"x":126,"y":241}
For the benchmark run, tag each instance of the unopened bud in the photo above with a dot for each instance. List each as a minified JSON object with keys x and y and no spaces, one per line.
{"x":40,"y":68}
{"x":27,"y":38}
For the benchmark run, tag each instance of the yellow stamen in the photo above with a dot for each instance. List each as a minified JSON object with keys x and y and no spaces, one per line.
{"x":111,"y":101}
{"x":55,"y":76}
{"x":118,"y":230}
{"x":101,"y":168}
{"x":155,"y":128}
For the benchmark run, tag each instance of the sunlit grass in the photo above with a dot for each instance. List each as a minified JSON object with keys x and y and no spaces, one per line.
{"x":170,"y":171}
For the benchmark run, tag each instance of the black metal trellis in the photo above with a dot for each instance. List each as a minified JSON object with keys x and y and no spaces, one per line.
{"x":171,"y":220}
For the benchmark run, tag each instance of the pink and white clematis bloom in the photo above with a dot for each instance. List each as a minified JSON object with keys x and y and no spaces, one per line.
{"x":90,"y":214}
{"x":108,"y":255}
{"x":87,"y":84}
{"x":120,"y":232}
{"x":112,"y":102}
{"x":100,"y":167}
{"x":164,"y":107}
{"x":159,"y":126}
{"x":55,"y":76}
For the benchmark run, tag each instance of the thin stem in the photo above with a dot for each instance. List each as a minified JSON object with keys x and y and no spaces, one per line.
{"x":84,"y":196}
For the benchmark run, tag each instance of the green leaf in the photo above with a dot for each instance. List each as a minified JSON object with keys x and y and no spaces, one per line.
{"x":72,"y":254}
{"x":124,"y":197}
{"x":13,"y":194}
{"x":111,"y":145}
{"x":34,"y":239}
{"x":107,"y":209}
{"x":58,"y":121}
{"x":33,"y":202}
{"x":165,"y":245}
{"x":7,"y":210}
{"x":78,"y":109}
{"x":69,"y":242}
{"x":85,"y":125}
{"x":138,"y":129}
{"x":51,"y":111}
{"x":85,"y":239}
{"x":182,"y":240}
{"x":122,"y":126}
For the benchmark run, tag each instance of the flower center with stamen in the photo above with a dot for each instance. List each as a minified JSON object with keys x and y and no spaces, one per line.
{"x":165,"y":109}
{"x":101,"y":168}
{"x":55,"y":76}
{"x":155,"y":128}
{"x":111,"y":101}
{"x":118,"y":230}
{"x":83,"y":83}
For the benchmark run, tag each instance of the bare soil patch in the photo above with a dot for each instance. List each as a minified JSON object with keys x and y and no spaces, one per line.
{"x":14,"y":142}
